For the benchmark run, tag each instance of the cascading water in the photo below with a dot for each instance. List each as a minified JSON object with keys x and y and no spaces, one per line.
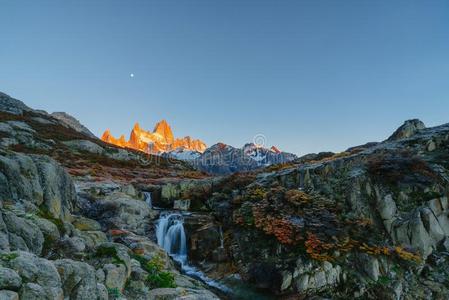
{"x":148,"y":200}
{"x":171,"y":236}
{"x":221,"y":237}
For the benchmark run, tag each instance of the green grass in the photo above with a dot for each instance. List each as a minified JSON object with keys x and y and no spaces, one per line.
{"x":157,"y":277}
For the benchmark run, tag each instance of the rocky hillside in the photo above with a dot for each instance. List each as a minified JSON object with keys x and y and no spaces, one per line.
{"x":368,"y":223}
{"x":72,"y":224}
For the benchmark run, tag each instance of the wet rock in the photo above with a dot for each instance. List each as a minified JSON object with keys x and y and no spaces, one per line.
{"x":181,"y":204}
{"x":302,"y":284}
{"x":219,"y":255}
{"x":181,"y":293}
{"x":286,"y":280}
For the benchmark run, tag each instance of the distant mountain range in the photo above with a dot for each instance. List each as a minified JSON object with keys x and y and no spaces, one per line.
{"x":219,"y":158}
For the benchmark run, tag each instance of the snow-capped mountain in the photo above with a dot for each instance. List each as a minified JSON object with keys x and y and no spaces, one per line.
{"x":183,"y":154}
{"x":160,"y":140}
{"x":224,"y":159}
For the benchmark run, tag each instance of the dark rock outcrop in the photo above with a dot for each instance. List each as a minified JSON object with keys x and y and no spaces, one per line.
{"x":408,"y":129}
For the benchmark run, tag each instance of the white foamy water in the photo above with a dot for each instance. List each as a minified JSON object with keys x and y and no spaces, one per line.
{"x":171,"y":236}
{"x":148,"y":200}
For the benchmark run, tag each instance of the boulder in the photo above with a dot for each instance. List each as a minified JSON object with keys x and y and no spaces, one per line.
{"x":408,"y":129}
{"x":9,"y":279}
{"x":181,"y":204}
{"x":19,"y":179}
{"x":286,"y":280}
{"x":11,"y":105}
{"x":116,"y":276}
{"x":23,"y":234}
{"x":78,"y":279}
{"x":33,"y":291}
{"x":85,"y":224}
{"x":129,"y":190}
{"x":120,"y":211}
{"x":102,"y":292}
{"x":8,"y":295}
{"x":59,"y":191}
{"x":92,"y":239}
{"x":84,"y":146}
{"x":4,"y":235}
{"x":181,"y":293}
{"x":36,"y":179}
{"x":43,"y":281}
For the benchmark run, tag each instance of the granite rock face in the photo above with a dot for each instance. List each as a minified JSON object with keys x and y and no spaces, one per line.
{"x":71,"y":122}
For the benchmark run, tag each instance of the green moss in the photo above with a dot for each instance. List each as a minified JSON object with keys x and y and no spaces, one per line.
{"x":8,"y":256}
{"x":384,"y":280}
{"x":114,"y":293}
{"x":109,"y":251}
{"x":45,"y":214}
{"x":157,"y":277}
{"x":161,"y":279}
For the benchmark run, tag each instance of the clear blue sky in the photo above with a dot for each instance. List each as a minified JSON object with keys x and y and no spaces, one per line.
{"x":309,"y":75}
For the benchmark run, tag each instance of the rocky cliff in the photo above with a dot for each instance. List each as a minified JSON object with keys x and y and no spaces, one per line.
{"x":160,"y":140}
{"x":368,"y":224}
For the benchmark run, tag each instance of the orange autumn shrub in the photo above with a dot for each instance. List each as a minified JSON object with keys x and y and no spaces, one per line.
{"x":297,"y":197}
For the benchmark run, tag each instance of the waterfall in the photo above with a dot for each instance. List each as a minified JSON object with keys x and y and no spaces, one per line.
{"x":147,"y":196}
{"x":221,"y":238}
{"x":171,"y":235}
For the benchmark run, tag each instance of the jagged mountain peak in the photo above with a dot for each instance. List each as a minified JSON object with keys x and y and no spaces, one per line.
{"x":275,"y":149}
{"x":160,"y":140}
